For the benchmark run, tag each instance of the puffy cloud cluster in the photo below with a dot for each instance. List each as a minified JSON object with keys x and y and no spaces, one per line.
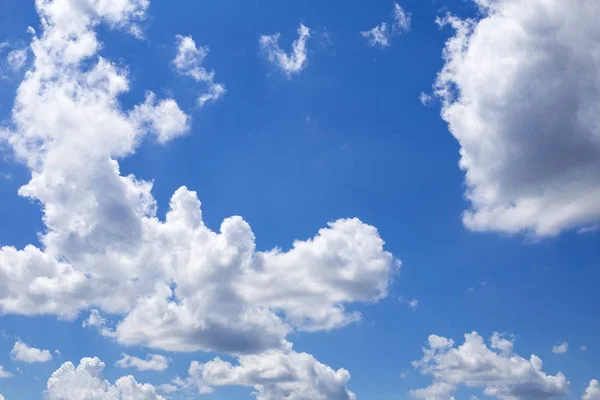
{"x":274,"y":375}
{"x":592,"y":392}
{"x":153,"y":362}
{"x":520,"y":93}
{"x":188,"y":61}
{"x":173,"y":284}
{"x":381,"y":34}
{"x":292,"y":63}
{"x":23,"y":352}
{"x":85,"y":382}
{"x":497,"y":370}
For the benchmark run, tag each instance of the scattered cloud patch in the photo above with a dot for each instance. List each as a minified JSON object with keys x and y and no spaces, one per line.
{"x":561,"y":348}
{"x":289,"y":64}
{"x":4,"y":373}
{"x":414,"y":303}
{"x":17,"y":58}
{"x":583,"y":348}
{"x":24,"y":353}
{"x":189,"y":60}
{"x":426,"y":99}
{"x":527,"y":126}
{"x":153,"y":362}
{"x":496,"y":370}
{"x":381,"y":34}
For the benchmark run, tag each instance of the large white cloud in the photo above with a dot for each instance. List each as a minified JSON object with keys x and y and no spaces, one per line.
{"x":22,"y":352}
{"x":290,"y":64}
{"x":520,"y":93}
{"x":497,"y":370}
{"x":175,"y":284}
{"x":85,"y":382}
{"x":592,"y":392}
{"x":274,"y":375}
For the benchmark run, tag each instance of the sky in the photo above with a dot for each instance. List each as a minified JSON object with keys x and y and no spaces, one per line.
{"x":299,"y":200}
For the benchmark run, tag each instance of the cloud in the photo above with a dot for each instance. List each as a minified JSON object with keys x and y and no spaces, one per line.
{"x":172,"y":284}
{"x":496,"y":370}
{"x":153,"y":362}
{"x":561,"y":348}
{"x":592,"y":392}
{"x":583,"y":348}
{"x":4,"y":373}
{"x":17,"y":59}
{"x":414,"y":303}
{"x":292,"y":63}
{"x":22,"y":352}
{"x":188,"y":61}
{"x":381,"y":34}
{"x":519,"y":93}
{"x":426,"y":99}
{"x":86,"y":382}
{"x":274,"y":375}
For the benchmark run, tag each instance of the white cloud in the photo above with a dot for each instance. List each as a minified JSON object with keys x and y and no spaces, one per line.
{"x":4,"y":373}
{"x":2,"y":397}
{"x":583,"y":348}
{"x":381,"y":34}
{"x":274,"y":375}
{"x":561,"y":348}
{"x":592,"y":392}
{"x":520,"y":94}
{"x":22,"y":352}
{"x":292,"y":63}
{"x":414,"y":303}
{"x":86,"y":382}
{"x":188,"y":61}
{"x":499,"y":373}
{"x":153,"y":362}
{"x":402,"y":19}
{"x":17,"y":59}
{"x":426,"y":99}
{"x":172,"y":284}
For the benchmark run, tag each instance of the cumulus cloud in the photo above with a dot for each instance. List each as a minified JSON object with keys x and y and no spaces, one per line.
{"x":561,"y":348}
{"x":17,"y":59}
{"x":274,"y":375}
{"x":496,"y":370}
{"x":153,"y":362}
{"x":86,"y":382}
{"x":22,"y":352}
{"x":188,"y":61}
{"x":381,"y":34}
{"x":172,"y":284}
{"x":592,"y":392}
{"x":4,"y":373}
{"x":519,"y":92}
{"x":292,"y":63}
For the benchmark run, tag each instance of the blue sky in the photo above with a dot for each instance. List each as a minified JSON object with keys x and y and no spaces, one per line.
{"x":345,"y":135}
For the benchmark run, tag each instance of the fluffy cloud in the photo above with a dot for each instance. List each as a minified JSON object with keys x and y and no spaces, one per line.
{"x":274,"y":375}
{"x":520,"y":94}
{"x":561,"y":348}
{"x":4,"y":373}
{"x":381,"y":34}
{"x":17,"y":59}
{"x":86,"y":382}
{"x":592,"y":392}
{"x":497,"y":370}
{"x":153,"y":362}
{"x":22,"y":352}
{"x":188,"y":61}
{"x":176,"y":284}
{"x":292,"y":63}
